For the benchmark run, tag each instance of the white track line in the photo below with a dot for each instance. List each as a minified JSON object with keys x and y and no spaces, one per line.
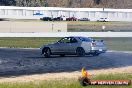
{"x":65,"y":34}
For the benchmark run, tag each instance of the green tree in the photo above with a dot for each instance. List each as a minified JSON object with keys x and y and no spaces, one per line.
{"x":29,"y":3}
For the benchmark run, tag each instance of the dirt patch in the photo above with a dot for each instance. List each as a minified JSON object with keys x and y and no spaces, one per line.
{"x":63,"y":75}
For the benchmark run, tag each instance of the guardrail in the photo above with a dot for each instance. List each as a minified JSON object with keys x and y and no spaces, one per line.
{"x":65,"y":34}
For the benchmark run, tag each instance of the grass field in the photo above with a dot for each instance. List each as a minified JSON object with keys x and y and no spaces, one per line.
{"x":97,"y":26}
{"x":119,"y":44}
{"x":87,"y":22}
{"x":69,"y":83}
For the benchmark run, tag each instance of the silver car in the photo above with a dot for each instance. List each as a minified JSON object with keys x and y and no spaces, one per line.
{"x":79,"y":46}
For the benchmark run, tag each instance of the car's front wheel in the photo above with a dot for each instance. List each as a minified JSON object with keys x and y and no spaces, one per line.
{"x":80,"y":51}
{"x":46,"y":52}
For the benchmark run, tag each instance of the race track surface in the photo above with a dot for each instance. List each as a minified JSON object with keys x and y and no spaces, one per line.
{"x":16,"y":62}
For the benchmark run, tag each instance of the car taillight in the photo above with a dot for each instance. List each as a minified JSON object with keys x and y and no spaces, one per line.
{"x":93,"y":44}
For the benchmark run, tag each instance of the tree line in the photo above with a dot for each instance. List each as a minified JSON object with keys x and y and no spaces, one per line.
{"x":40,"y":3}
{"x":69,"y":3}
{"x":24,"y":3}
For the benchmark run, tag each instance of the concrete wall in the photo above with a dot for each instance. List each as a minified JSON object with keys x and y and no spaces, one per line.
{"x":38,"y":12}
{"x":31,"y":27}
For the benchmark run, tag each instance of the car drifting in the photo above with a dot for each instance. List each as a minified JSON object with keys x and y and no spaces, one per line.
{"x":79,"y":46}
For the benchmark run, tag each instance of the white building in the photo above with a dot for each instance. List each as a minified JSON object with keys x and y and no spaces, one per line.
{"x":38,"y":12}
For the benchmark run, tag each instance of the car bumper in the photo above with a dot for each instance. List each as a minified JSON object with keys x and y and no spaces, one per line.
{"x":98,"y":49}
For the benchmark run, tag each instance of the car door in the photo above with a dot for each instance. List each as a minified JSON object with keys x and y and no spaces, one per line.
{"x":64,"y":45}
{"x":58,"y":47}
{"x":55,"y":48}
{"x":73,"y":45}
{"x":86,"y":43}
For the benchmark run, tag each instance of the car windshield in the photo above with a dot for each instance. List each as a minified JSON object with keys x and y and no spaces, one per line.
{"x":85,"y":39}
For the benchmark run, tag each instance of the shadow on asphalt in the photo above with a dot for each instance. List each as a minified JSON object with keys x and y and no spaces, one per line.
{"x":58,"y":56}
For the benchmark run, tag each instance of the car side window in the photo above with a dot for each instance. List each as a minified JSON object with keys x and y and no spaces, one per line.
{"x":85,"y":39}
{"x":73,"y":40}
{"x":65,"y":40}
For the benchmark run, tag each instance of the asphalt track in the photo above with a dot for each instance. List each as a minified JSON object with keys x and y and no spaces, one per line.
{"x":16,"y":62}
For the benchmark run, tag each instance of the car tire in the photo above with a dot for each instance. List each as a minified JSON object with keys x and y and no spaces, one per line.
{"x":47,"y":52}
{"x":80,"y":52}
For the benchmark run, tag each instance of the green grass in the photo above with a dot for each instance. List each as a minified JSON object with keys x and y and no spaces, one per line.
{"x":119,"y":44}
{"x":84,"y":26}
{"x":87,"y":22}
{"x":25,"y":42}
{"x":69,"y":83}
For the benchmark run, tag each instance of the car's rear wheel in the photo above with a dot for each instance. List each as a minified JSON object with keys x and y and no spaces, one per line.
{"x":95,"y":54}
{"x":80,"y":51}
{"x":46,"y":52}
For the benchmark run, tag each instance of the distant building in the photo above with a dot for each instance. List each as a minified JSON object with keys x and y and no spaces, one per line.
{"x":38,"y":12}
